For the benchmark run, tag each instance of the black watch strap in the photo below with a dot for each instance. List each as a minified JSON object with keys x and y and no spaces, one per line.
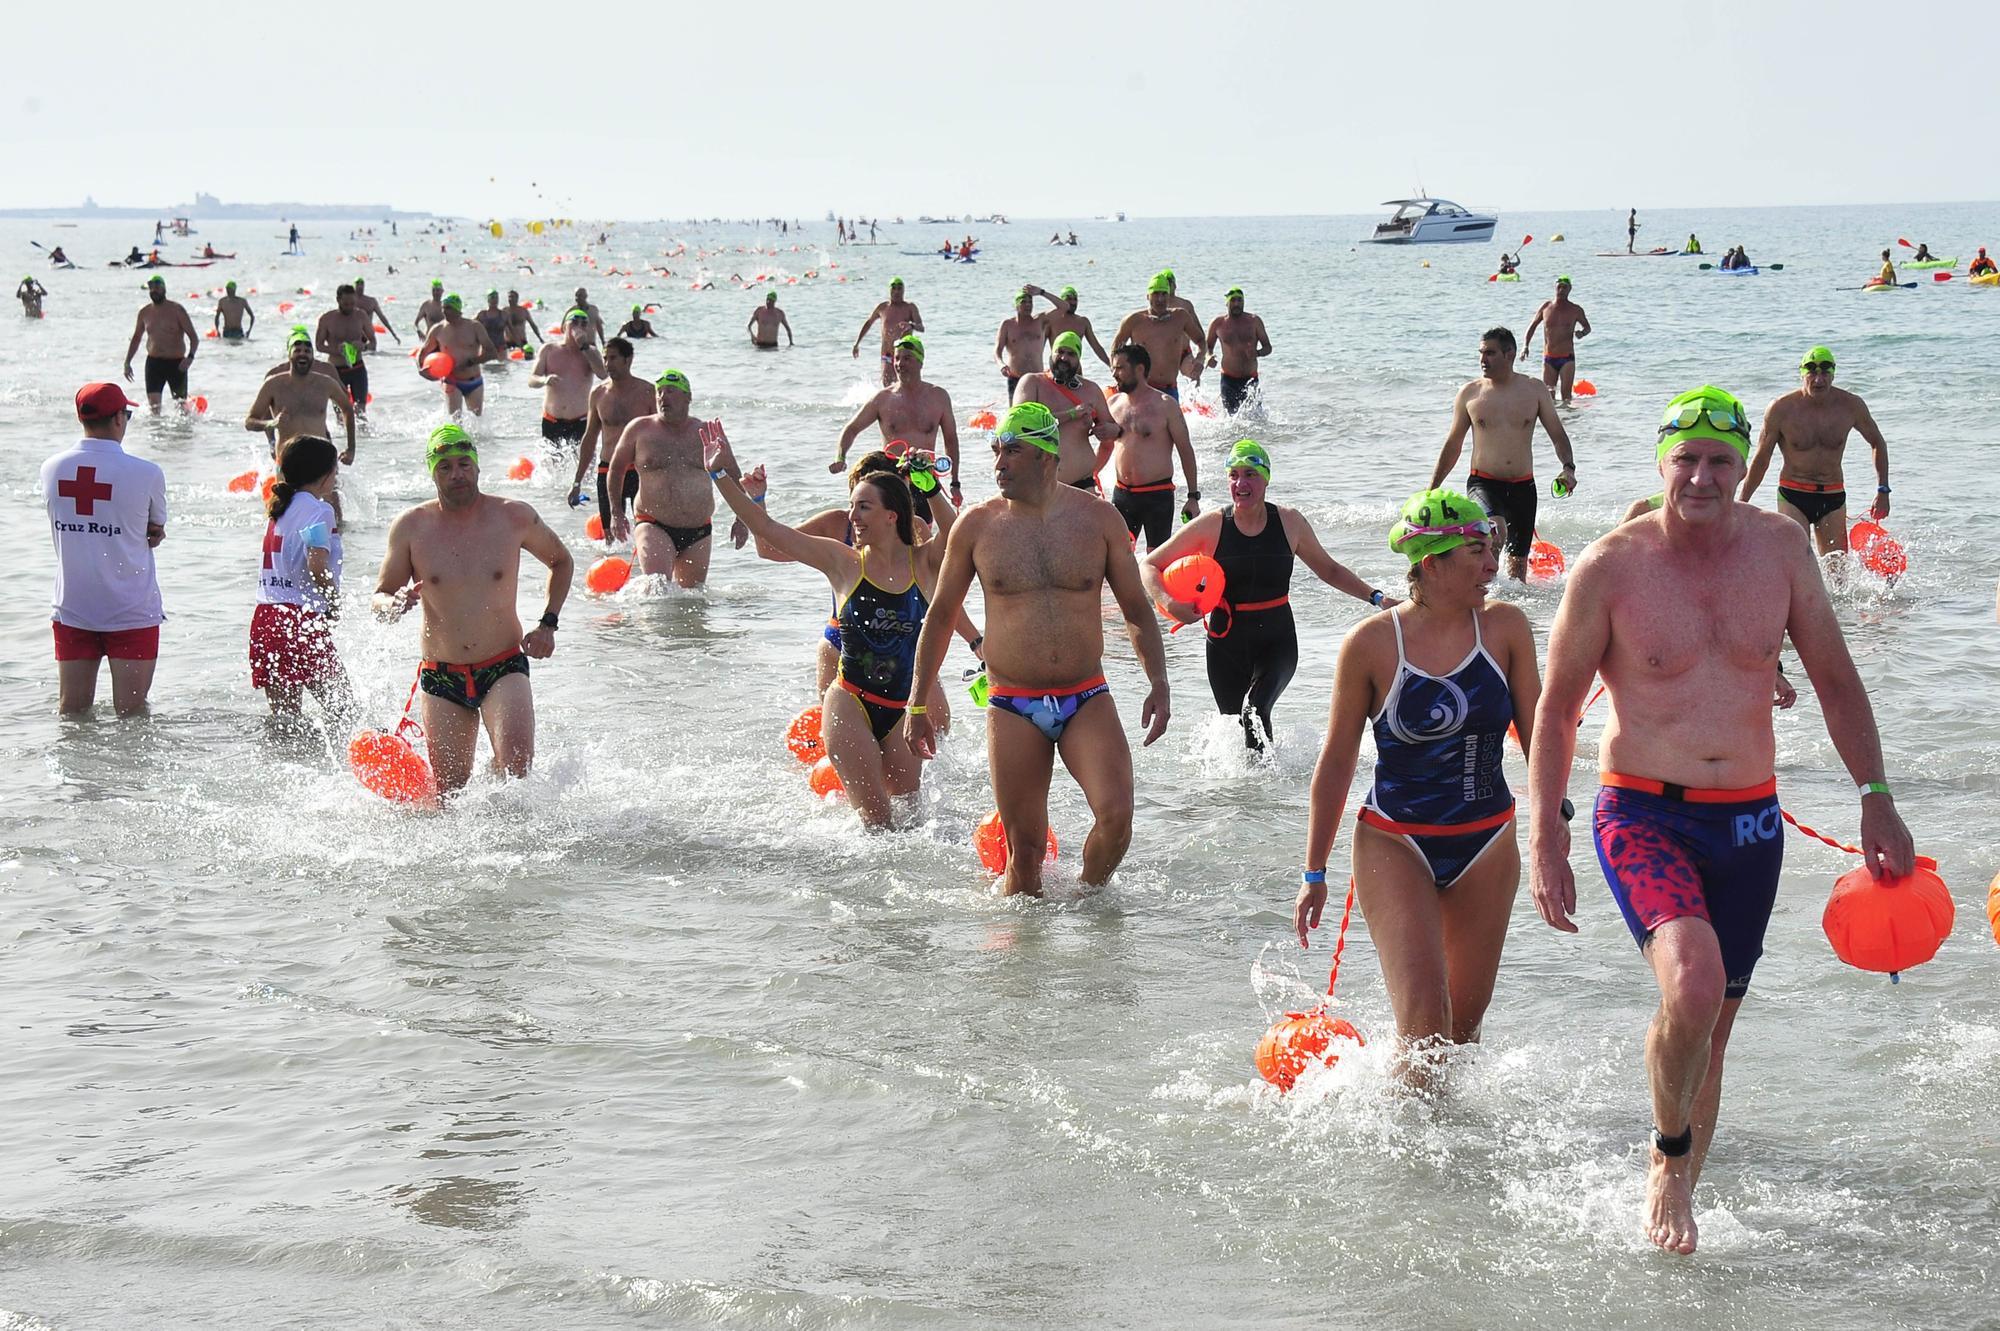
{"x":549,"y":621}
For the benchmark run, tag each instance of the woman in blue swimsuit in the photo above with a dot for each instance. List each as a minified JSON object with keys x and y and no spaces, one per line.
{"x":1436,"y":864}
{"x":882,"y":585}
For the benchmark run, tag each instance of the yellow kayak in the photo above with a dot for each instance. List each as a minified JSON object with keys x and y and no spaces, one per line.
{"x":1985,"y":280}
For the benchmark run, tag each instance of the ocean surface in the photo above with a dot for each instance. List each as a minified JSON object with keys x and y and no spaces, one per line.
{"x":653,"y":1039}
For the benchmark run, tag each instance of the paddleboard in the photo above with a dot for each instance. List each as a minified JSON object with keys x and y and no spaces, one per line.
{"x":1637,"y":254}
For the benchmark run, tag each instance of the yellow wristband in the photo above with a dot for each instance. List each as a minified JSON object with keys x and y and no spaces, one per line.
{"x":917,"y":709}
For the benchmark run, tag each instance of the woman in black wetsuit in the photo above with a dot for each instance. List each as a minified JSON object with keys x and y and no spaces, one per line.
{"x":1253,"y":645}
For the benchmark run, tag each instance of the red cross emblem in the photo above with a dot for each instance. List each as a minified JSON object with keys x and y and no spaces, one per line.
{"x":273,"y":543}
{"x":84,"y":490}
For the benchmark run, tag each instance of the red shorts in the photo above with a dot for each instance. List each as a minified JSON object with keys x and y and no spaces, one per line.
{"x":73,"y":644}
{"x":290,"y":646}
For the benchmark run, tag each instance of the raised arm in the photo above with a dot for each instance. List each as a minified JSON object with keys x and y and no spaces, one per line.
{"x":1454,"y":439}
{"x":832,"y":558}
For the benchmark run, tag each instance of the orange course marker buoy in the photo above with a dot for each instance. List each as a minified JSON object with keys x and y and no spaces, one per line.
{"x":607,"y":575}
{"x":1879,"y":552}
{"x":390,"y":765}
{"x":1296,"y":1040}
{"x":593,"y":527}
{"x":802,"y":737}
{"x":990,"y":840}
{"x":1545,"y":560}
{"x":1993,"y":907}
{"x":1585,"y":388}
{"x":522,"y":470}
{"x":1888,"y":924}
{"x":982,"y":420}
{"x":825,"y":782}
{"x":243,"y":484}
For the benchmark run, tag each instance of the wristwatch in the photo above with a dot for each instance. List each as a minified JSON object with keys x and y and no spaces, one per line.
{"x":1375,"y":598}
{"x":549,"y":621}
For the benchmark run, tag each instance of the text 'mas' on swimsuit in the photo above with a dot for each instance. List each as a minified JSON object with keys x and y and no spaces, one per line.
{"x":878,"y":646}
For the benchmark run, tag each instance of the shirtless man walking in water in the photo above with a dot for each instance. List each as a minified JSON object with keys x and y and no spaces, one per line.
{"x":1809,"y":428}
{"x":469,"y":348}
{"x":1080,"y":410}
{"x":621,"y":399}
{"x":1151,"y":433}
{"x":170,"y":344}
{"x":1566,"y":323}
{"x":1043,"y":553}
{"x":766,"y":320}
{"x":520,"y":323}
{"x":431,"y":311}
{"x":345,"y":336}
{"x":913,"y":411}
{"x":565,"y":372}
{"x":372,"y":307}
{"x":676,"y":498}
{"x":460,"y":555}
{"x":898,"y":317}
{"x":1018,"y":347}
{"x":1682,"y":613}
{"x":1244,"y":344}
{"x":230,"y":312}
{"x":1500,"y":409}
{"x":1168,"y":333}
{"x":1065,"y":319}
{"x":294,"y":402}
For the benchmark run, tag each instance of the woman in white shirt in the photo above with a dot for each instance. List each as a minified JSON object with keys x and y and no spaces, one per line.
{"x":298,"y":591}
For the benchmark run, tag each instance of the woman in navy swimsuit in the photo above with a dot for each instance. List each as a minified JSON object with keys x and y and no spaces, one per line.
{"x":1436,"y":864}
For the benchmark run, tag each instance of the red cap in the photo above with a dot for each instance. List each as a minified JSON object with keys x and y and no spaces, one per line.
{"x":100,"y":402}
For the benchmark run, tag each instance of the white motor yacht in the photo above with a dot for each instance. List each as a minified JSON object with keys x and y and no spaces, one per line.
{"x":1432,"y":222}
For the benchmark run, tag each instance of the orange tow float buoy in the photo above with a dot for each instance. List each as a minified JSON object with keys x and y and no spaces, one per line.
{"x":593,"y":527}
{"x":388,"y":764}
{"x":990,"y":840}
{"x":1196,"y":579}
{"x":1585,"y":388}
{"x":1993,"y":907}
{"x":982,"y":420}
{"x":270,"y":484}
{"x":243,"y":484}
{"x":825,"y":782}
{"x":1296,"y":1040}
{"x":1545,"y":560}
{"x":438,"y":365}
{"x":802,"y":736}
{"x":1879,"y":552}
{"x":607,"y":575}
{"x":1889,"y":924}
{"x":522,"y":470}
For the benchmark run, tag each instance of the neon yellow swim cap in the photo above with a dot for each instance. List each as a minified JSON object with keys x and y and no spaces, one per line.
{"x":454,"y":301}
{"x":1160,"y":283}
{"x":674,"y":379}
{"x":1022,"y":295}
{"x":297,"y":335}
{"x":895,"y":282}
{"x":1707,"y":412}
{"x":1067,"y":292}
{"x":1234,"y":293}
{"x":1434,"y":521}
{"x":1070,"y":342}
{"x":229,"y":287}
{"x":914,"y":343}
{"x":446,"y":441}
{"x":1031,"y":423}
{"x":1250,"y":453}
{"x":770,"y":298}
{"x":1817,"y":356}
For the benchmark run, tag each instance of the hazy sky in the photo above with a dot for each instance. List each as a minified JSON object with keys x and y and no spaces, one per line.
{"x":1159,"y":108}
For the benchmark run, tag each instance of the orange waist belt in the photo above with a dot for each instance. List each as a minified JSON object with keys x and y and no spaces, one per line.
{"x":1689,"y":794}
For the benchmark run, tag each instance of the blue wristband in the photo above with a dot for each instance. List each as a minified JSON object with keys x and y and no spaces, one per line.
{"x":1315,"y":877}
{"x":717,"y":474}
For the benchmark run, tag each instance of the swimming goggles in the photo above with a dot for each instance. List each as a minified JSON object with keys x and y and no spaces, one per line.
{"x":1816,"y":366}
{"x":925,"y":468}
{"x":1044,"y":441}
{"x":1720,"y":416}
{"x":1481,"y":529}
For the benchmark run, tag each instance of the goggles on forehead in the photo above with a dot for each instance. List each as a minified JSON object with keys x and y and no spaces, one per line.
{"x":1482,"y":529}
{"x":1719,"y":415}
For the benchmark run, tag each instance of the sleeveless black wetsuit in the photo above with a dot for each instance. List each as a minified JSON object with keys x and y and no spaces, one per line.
{"x":1257,"y":652}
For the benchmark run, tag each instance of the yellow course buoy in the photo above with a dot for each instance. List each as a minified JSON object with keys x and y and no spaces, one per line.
{"x":497,"y":229}
{"x":1556,"y":237}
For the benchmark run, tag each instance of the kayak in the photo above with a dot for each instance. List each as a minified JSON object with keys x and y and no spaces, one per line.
{"x":1747,"y":271}
{"x":1504,"y":277}
{"x":1929,"y":263}
{"x":1985,"y":280}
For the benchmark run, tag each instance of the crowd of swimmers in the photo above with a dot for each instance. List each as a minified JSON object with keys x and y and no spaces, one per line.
{"x":1681,"y":612}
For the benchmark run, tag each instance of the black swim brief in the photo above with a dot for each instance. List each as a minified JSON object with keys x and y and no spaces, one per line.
{"x":564,"y":432}
{"x":1235,"y":391}
{"x":166,"y":372}
{"x":1817,"y":502}
{"x":355,"y":379}
{"x":468,"y":685}
{"x":1147,"y":508}
{"x":682,"y":537}
{"x":1513,"y":502}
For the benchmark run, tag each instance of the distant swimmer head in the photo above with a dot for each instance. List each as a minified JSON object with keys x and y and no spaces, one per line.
{"x":493,"y":296}
{"x":1815,"y":362}
{"x":1030,"y":423}
{"x":913,"y":344}
{"x":449,"y":441}
{"x":1069,"y":293}
{"x":1250,"y":454}
{"x":1023,"y":297}
{"x":770,"y":298}
{"x":1233,"y":296}
{"x":230,"y":287}
{"x":1562,"y":279}
{"x":895,"y":285}
{"x":1434,"y":522}
{"x":454,"y":301}
{"x":676,"y":380}
{"x":1707,"y":412}
{"x":638,"y":310}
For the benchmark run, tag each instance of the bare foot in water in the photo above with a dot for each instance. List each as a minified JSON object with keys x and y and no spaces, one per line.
{"x":1670,"y":1203}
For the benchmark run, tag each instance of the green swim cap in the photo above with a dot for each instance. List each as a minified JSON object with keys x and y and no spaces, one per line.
{"x":1033,"y":423}
{"x":914,"y":343}
{"x":637,"y":310}
{"x":445,"y":441}
{"x":1167,"y":273}
{"x":1160,"y":282}
{"x":895,"y":282}
{"x":229,"y":286}
{"x":455,"y":301}
{"x":1819,"y":354}
{"x":1707,"y":412}
{"x":359,"y":283}
{"x":1250,"y":453}
{"x":770,"y":297}
{"x":575,"y":316}
{"x":492,"y":294}
{"x":674,"y":379}
{"x":1067,"y":291}
{"x":1232,"y":293}
{"x":1070,"y":342}
{"x":1562,"y":280}
{"x":298,"y":335}
{"x":156,"y":281}
{"x":353,"y":356}
{"x":1422,"y":528}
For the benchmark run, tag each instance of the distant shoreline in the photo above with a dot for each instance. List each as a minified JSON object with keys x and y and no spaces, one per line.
{"x":229,"y":212}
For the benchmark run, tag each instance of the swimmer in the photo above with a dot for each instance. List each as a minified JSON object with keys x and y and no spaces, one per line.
{"x":107,"y":511}
{"x":493,"y":319}
{"x":1253,"y":643}
{"x":1682,"y":614}
{"x":292,"y":401}
{"x":1809,"y":427}
{"x":638,"y":325}
{"x":171,"y":343}
{"x":431,"y":311}
{"x":1499,"y":409}
{"x":1064,"y":318}
{"x":372,"y":307}
{"x":1043,"y":553}
{"x":469,"y":348}
{"x":230,"y":312}
{"x":581,"y":301}
{"x":566,"y":371}
{"x":912,"y":410}
{"x":31,"y":293}
{"x":1169,"y":334}
{"x":520,"y":325}
{"x":1566,"y":323}
{"x":1018,"y":347}
{"x":675,"y":500}
{"x":1244,"y":343}
{"x":899,"y":317}
{"x":346,"y":336}
{"x":459,"y":555}
{"x":1436,"y":858}
{"x":766,"y":320}
{"x":883,"y":588}
{"x":1080,"y":409}
{"x":620,"y":399}
{"x":298,"y":585}
{"x":1151,"y":434}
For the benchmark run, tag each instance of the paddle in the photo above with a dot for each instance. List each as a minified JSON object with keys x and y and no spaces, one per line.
{"x":1904,"y":243}
{"x":1706,"y":266}
{"x":1774,"y":267}
{"x":1940,"y":277}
